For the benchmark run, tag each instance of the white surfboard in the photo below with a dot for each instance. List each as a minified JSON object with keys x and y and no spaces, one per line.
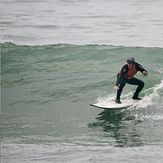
{"x":112,"y":105}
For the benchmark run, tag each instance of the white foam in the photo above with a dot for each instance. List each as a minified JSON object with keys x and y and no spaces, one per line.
{"x":148,"y":100}
{"x":109,"y":97}
{"x":160,"y":70}
{"x":151,"y":98}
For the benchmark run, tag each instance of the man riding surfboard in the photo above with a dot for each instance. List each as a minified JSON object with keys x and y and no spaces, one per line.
{"x":126,"y":75}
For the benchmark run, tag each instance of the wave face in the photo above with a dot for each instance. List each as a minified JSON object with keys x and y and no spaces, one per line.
{"x":129,"y":23}
{"x":46,"y":92}
{"x":72,"y":69}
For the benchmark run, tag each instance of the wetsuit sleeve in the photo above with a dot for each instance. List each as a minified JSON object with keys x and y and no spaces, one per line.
{"x":139,"y":67}
{"x":122,"y":75}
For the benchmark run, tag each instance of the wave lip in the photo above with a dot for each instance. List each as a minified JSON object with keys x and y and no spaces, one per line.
{"x":106,"y":45}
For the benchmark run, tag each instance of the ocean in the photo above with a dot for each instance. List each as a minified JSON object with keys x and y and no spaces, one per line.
{"x":57,"y":58}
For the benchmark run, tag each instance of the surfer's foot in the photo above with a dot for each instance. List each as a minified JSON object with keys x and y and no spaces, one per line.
{"x":118,"y":101}
{"x":137,"y":98}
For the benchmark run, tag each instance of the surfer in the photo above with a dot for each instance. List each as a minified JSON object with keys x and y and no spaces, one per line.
{"x":126,"y":75}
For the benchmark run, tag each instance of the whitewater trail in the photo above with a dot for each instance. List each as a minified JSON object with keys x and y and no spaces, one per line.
{"x":151,"y":97}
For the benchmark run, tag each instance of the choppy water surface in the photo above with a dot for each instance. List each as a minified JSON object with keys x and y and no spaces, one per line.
{"x":59,"y":56}
{"x":46,"y":116}
{"x":127,"y":23}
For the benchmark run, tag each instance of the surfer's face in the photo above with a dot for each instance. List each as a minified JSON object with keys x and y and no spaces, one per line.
{"x":130,"y":65}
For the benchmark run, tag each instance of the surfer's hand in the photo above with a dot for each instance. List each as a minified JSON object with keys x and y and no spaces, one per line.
{"x":145,"y":73}
{"x":116,"y":87}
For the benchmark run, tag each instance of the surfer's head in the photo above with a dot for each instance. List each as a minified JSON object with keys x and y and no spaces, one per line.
{"x":131,"y":60}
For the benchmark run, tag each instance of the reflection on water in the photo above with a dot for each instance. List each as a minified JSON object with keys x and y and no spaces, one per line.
{"x":119,"y":125}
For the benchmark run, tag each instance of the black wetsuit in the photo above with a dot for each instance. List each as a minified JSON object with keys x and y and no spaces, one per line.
{"x":124,"y":77}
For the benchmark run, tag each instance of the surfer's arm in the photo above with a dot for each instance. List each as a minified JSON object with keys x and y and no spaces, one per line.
{"x":141,"y":69}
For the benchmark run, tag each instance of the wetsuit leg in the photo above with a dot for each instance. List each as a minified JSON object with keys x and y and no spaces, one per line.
{"x":135,"y":81}
{"x":119,"y":91}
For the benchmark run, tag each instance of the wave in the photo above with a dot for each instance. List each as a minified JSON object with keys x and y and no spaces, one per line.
{"x":77,"y":44}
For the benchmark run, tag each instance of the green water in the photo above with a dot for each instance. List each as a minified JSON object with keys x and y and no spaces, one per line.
{"x":45,"y":112}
